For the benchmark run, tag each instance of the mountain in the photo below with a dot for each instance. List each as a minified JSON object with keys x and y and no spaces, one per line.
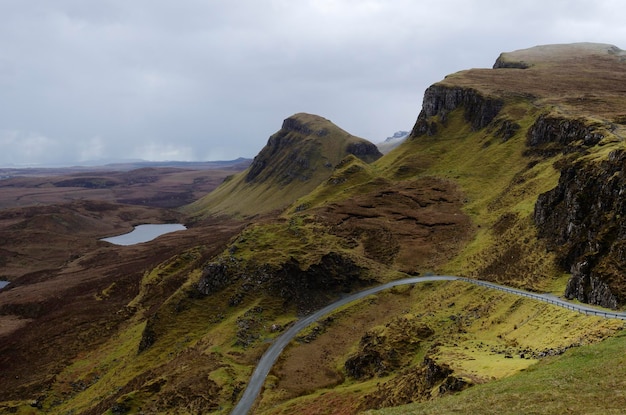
{"x":512,"y":174}
{"x":392,"y":142}
{"x":295,"y":160}
{"x":571,"y":124}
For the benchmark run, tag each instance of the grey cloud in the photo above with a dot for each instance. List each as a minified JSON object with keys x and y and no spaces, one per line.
{"x":213,"y":79}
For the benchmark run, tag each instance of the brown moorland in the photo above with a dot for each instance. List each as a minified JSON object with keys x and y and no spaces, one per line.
{"x":69,"y":290}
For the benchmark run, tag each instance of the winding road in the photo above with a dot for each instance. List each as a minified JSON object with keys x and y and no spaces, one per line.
{"x":271,"y":355}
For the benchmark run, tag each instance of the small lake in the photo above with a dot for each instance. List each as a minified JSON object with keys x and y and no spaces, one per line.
{"x":4,"y":284}
{"x":144,"y":233}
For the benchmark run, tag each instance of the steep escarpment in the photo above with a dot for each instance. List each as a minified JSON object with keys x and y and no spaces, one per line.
{"x":439,"y":100}
{"x":544,"y":137}
{"x":584,"y":220}
{"x":551,"y":134}
{"x":296,"y":159}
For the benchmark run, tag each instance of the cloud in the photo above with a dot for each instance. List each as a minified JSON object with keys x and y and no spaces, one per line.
{"x":23,"y":148}
{"x":158,"y":79}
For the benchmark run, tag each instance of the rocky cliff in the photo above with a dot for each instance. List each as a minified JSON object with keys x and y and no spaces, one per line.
{"x":584,"y":220}
{"x":439,"y":100}
{"x":293,"y":153}
{"x":305,"y":287}
{"x":562,"y":107}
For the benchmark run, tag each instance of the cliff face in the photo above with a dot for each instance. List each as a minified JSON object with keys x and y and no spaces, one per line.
{"x":440,"y":100}
{"x":584,"y":220}
{"x":552,"y":134}
{"x":306,"y":288}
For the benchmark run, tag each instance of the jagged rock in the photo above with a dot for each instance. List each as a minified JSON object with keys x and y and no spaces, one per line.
{"x":452,"y":384}
{"x":384,"y":350}
{"x":415,"y":385}
{"x":398,"y":135}
{"x":315,"y":285}
{"x":584,"y":221}
{"x":563,"y":133}
{"x":215,"y":276}
{"x":366,"y":151}
{"x":120,"y":408}
{"x":505,"y":129}
{"x":295,"y":124}
{"x":440,"y":100}
{"x":148,"y":336}
{"x":587,"y":288}
{"x":502,"y":63}
{"x":306,"y":288}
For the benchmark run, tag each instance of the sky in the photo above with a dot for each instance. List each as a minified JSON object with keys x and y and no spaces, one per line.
{"x":198,"y":80}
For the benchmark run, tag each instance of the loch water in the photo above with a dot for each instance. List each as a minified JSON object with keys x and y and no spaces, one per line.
{"x":144,"y":233}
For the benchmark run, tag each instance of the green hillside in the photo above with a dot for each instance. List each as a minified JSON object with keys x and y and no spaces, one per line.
{"x":295,"y":160}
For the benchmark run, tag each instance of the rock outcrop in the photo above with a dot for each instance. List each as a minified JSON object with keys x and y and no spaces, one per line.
{"x":584,"y":220}
{"x":385,"y":350}
{"x":440,"y":100}
{"x":553,"y":134}
{"x":305,"y":287}
{"x":419,"y":384}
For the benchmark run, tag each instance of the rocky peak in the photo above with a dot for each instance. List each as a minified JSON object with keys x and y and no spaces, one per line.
{"x":295,"y":151}
{"x":398,"y":135}
{"x":297,"y":123}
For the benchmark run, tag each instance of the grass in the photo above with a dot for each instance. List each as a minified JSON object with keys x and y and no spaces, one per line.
{"x":194,"y":338}
{"x":273,"y":243}
{"x":487,"y":326}
{"x":475,"y":330}
{"x":584,"y":380}
{"x":497,"y":178}
{"x":352,"y":176}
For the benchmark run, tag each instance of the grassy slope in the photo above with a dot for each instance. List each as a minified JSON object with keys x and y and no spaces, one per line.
{"x":500,"y":187}
{"x":475,"y":330}
{"x":196,"y":344}
{"x":585,"y":380}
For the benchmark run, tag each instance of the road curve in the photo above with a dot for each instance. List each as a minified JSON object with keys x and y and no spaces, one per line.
{"x":271,"y":354}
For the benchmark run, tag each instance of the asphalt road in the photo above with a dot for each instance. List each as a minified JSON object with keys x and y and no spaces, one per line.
{"x":271,"y":355}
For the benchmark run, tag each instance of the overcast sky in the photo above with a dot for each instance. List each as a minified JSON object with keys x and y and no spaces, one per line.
{"x":212,"y":79}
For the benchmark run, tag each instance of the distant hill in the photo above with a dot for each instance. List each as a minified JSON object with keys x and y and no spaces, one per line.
{"x":120,"y":165}
{"x":392,"y":142}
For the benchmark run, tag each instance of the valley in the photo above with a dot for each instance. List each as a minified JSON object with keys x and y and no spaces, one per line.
{"x":68,"y":290}
{"x":511,"y":176}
